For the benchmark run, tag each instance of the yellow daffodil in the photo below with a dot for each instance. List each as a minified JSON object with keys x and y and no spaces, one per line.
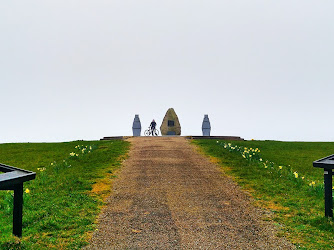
{"x":27,"y":191}
{"x":295,"y":174}
{"x":280,"y":167}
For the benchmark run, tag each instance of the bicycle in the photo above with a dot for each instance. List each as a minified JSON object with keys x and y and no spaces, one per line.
{"x":149,"y":132}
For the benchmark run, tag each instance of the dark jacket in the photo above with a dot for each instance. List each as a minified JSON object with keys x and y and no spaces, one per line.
{"x":153,"y":124}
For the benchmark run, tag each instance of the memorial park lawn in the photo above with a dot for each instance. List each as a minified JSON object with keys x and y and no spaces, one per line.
{"x":281,"y":178}
{"x":61,"y":205}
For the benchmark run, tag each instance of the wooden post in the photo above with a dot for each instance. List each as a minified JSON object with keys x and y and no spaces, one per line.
{"x":17,"y":212}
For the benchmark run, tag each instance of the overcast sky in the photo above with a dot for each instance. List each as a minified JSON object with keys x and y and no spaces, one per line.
{"x":72,"y":70}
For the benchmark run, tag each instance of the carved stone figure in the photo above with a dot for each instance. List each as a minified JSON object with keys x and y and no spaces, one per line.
{"x":206,"y":127}
{"x":136,"y":127}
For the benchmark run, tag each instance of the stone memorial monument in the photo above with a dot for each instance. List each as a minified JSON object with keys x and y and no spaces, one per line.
{"x":206,"y":127}
{"x":136,"y":127}
{"x":170,"y":124}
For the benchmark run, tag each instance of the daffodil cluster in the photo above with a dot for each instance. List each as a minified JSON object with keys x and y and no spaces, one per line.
{"x":81,"y":149}
{"x":254,"y":155}
{"x":73,"y":154}
{"x":247,"y":153}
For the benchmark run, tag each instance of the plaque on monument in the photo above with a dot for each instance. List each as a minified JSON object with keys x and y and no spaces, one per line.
{"x":136,"y":127}
{"x":170,"y":124}
{"x":206,"y":127}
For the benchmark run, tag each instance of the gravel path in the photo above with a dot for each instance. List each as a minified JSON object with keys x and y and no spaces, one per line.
{"x":168,"y":196}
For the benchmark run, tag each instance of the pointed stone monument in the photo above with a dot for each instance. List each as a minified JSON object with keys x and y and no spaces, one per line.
{"x":170,"y":124}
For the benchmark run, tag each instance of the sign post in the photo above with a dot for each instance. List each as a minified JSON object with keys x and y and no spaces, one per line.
{"x":12,"y":179}
{"x":327,"y":164}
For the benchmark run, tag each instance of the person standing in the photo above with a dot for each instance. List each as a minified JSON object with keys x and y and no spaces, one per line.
{"x":152,"y":126}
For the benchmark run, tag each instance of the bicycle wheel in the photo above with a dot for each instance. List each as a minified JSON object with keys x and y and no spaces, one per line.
{"x":147,"y":132}
{"x":156,"y":132}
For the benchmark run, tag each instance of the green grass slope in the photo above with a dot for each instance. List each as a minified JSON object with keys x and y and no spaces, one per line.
{"x":61,"y":205}
{"x":281,"y":178}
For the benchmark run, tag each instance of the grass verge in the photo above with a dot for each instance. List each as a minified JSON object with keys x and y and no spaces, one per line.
{"x":61,"y":205}
{"x":280,"y":177}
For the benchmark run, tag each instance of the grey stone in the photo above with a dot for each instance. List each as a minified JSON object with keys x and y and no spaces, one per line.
{"x":206,"y":126}
{"x":136,"y":127}
{"x":170,"y":123}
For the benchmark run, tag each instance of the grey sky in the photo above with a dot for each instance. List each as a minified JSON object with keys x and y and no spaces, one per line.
{"x":82,"y":69}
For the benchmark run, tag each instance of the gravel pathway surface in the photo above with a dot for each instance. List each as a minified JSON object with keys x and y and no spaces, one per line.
{"x":168,"y":196}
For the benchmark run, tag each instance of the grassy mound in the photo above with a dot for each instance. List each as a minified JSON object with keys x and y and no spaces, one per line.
{"x":61,"y":205}
{"x":281,"y":178}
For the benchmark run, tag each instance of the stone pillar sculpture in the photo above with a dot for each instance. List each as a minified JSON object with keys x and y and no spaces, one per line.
{"x":136,"y":127}
{"x":206,"y":127}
